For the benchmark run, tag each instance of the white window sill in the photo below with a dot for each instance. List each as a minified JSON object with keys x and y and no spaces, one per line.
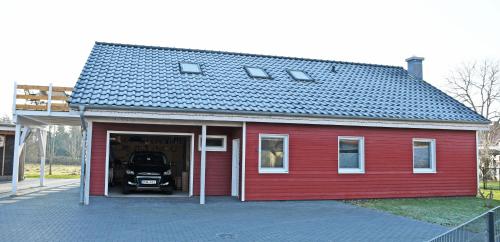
{"x":424,"y":171}
{"x":273,"y":171}
{"x":215,"y":149}
{"x":351,"y":171}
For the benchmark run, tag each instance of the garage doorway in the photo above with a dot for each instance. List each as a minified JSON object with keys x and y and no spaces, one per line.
{"x":172,"y":176}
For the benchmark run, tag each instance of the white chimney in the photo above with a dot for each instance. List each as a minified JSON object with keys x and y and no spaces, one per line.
{"x":415,"y":67}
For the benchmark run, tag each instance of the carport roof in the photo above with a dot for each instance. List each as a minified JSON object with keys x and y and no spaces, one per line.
{"x":147,"y":77}
{"x":7,"y":127}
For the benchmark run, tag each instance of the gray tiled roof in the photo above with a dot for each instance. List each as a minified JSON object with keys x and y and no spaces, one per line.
{"x":130,"y":76}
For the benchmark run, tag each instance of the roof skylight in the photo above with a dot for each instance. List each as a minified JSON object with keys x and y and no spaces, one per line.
{"x":190,"y":68}
{"x":300,"y":75}
{"x":257,"y":72}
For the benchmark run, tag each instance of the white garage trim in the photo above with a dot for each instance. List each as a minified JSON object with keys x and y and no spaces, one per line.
{"x":191,"y":158}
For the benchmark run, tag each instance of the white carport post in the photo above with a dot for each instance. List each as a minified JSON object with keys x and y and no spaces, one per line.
{"x":203,"y":162}
{"x":82,"y":168}
{"x":15,"y":161}
{"x":42,"y":136}
{"x":87,"y":164}
{"x":243,"y":159}
{"x":19,"y":140}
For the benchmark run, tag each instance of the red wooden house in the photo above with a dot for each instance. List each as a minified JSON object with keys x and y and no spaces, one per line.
{"x":274,"y":128}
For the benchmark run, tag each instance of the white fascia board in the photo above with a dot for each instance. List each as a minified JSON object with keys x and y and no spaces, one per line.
{"x":219,"y":117}
{"x":162,"y":121}
{"x":8,"y":128}
{"x":70,"y":113}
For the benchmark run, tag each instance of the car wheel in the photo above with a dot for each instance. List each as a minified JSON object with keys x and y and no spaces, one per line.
{"x":125,"y":190}
{"x":169,"y":190}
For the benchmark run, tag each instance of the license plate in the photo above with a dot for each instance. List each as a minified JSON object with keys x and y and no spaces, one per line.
{"x":148,"y":182}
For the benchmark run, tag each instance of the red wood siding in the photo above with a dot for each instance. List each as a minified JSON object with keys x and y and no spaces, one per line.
{"x":218,"y":173}
{"x":313,"y":164}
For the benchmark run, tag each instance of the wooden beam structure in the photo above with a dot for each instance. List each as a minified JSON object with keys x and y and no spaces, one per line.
{"x":42,"y":98}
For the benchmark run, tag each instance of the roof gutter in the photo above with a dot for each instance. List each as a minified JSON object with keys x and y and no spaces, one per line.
{"x":236,"y":112}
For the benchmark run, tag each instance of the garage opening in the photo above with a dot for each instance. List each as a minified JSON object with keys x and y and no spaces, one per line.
{"x":149,"y":164}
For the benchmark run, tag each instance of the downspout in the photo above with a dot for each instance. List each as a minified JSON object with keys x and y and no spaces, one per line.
{"x":84,"y":139}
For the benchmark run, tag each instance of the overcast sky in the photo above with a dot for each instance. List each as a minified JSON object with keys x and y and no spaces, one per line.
{"x":49,"y":41}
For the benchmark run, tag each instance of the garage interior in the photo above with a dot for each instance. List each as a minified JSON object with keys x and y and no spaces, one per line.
{"x":176,"y":148}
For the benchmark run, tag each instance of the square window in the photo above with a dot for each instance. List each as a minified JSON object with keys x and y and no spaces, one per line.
{"x":214,"y":143}
{"x":424,"y":156}
{"x":273,"y":153}
{"x":351,"y":155}
{"x":190,"y":68}
{"x":300,"y":75}
{"x":257,"y":72}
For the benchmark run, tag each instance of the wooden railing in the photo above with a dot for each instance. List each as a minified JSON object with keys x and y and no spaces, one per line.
{"x":42,"y":98}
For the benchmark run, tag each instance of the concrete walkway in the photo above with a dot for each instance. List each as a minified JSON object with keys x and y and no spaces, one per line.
{"x":55,"y":215}
{"x":30,"y":185}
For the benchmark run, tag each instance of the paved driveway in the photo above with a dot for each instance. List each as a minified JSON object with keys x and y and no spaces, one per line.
{"x":30,"y":185}
{"x":55,"y":215}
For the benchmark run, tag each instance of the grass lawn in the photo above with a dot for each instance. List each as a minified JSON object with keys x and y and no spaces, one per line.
{"x":491,"y":185}
{"x":58,"y":171}
{"x":447,"y":211}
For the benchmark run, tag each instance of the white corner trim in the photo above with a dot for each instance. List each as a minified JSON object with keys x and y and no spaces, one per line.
{"x":106,"y":174}
{"x":432,"y":169}
{"x":191,"y":167}
{"x":223,"y":117}
{"x":284,"y":169}
{"x":361,"y":155}
{"x":214,"y":148}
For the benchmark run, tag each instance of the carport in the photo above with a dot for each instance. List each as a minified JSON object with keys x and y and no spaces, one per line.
{"x":36,"y":107}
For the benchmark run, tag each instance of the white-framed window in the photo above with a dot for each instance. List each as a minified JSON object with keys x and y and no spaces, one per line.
{"x":273,"y":153}
{"x":424,"y":155}
{"x":257,"y":72}
{"x":190,"y":68}
{"x":351,"y":156}
{"x":214,"y":142}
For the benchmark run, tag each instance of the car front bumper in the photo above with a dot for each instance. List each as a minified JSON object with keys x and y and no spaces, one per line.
{"x":137,"y":182}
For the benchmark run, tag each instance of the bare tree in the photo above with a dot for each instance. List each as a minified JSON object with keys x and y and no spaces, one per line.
{"x":477,"y":85}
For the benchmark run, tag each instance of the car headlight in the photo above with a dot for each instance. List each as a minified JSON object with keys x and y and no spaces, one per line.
{"x":167,"y":173}
{"x":129,"y":172}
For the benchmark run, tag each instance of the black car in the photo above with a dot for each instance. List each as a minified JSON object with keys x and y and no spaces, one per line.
{"x":148,"y":171}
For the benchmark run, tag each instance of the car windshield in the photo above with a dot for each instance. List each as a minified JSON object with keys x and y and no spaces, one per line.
{"x":149,"y":159}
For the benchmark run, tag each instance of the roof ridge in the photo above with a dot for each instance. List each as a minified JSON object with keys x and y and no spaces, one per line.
{"x":246,"y":54}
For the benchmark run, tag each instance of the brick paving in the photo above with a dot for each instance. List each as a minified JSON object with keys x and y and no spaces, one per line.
{"x":55,"y":215}
{"x":30,"y":185}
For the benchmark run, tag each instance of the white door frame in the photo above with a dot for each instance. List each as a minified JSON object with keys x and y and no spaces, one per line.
{"x":235,"y":174}
{"x":191,"y":158}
